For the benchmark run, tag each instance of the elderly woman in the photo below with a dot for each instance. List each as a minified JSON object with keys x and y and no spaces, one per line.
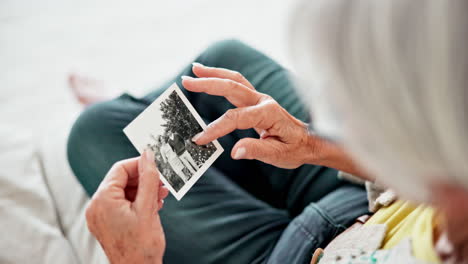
{"x":385,"y":81}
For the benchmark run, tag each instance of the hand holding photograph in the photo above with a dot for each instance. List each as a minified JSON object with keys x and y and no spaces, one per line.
{"x":167,"y":127}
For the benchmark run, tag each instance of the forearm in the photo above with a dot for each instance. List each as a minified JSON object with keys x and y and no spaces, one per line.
{"x":325,"y":153}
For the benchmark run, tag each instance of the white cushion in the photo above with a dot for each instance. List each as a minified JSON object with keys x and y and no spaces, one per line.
{"x":29,"y":224}
{"x":69,"y":196}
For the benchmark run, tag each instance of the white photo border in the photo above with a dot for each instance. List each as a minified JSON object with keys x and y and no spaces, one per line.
{"x":219,"y":149}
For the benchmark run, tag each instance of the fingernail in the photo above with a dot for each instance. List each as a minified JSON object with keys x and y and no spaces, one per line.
{"x":240,"y":153}
{"x":186,"y":77}
{"x":196,"y":137}
{"x":149,"y":155}
{"x":197,"y":64}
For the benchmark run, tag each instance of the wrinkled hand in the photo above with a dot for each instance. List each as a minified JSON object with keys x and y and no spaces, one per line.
{"x":123,"y":213}
{"x":284,"y":140}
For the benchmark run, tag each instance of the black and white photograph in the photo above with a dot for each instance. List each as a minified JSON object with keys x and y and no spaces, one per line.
{"x":167,"y":127}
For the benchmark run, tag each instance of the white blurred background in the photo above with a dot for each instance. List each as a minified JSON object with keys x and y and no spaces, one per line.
{"x":130,"y":45}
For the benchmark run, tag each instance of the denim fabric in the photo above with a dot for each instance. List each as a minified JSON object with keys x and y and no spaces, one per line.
{"x":317,"y":224}
{"x":239,"y":211}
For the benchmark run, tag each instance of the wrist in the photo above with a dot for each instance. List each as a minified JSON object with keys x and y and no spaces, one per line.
{"x":324,"y":153}
{"x":136,"y":256}
{"x":136,"y":259}
{"x":315,"y":150}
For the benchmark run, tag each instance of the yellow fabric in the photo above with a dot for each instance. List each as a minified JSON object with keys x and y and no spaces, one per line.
{"x":404,"y":219}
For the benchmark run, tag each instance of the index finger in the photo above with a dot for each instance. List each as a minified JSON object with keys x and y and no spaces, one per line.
{"x":236,"y":93}
{"x":201,"y":70}
{"x":258,"y":116}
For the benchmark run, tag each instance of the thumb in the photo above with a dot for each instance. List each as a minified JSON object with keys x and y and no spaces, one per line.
{"x":251,"y":148}
{"x":146,"y":199}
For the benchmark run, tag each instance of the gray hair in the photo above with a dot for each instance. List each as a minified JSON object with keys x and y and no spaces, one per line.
{"x":388,"y":78}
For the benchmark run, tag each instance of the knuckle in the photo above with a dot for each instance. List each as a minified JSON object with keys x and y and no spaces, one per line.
{"x":237,"y":76}
{"x":267,"y":98}
{"x":153,"y":171}
{"x":231,"y":115}
{"x":272,"y":105}
{"x":230,"y":83}
{"x":211,"y":127}
{"x":252,"y":151}
{"x":116,"y":165}
{"x":267,"y":108}
{"x":91,"y":223}
{"x":91,"y":210}
{"x":263,"y":98}
{"x":277,"y":153}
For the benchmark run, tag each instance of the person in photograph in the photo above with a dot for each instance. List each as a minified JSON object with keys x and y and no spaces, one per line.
{"x":178,"y":145}
{"x":170,"y":157}
{"x":386,"y":84}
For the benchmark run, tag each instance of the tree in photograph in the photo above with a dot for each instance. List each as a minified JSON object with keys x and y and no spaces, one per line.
{"x":200,"y":153}
{"x":180,"y":120}
{"x":178,"y":117}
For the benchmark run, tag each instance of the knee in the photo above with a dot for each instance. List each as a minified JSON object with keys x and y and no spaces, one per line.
{"x":227,"y":45}
{"x":84,"y":142}
{"x":228,"y":50}
{"x":88,"y":128}
{"x":101,"y":122}
{"x":96,"y":138}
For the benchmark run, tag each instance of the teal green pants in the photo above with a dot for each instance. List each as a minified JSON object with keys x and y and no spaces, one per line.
{"x":239,"y":211}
